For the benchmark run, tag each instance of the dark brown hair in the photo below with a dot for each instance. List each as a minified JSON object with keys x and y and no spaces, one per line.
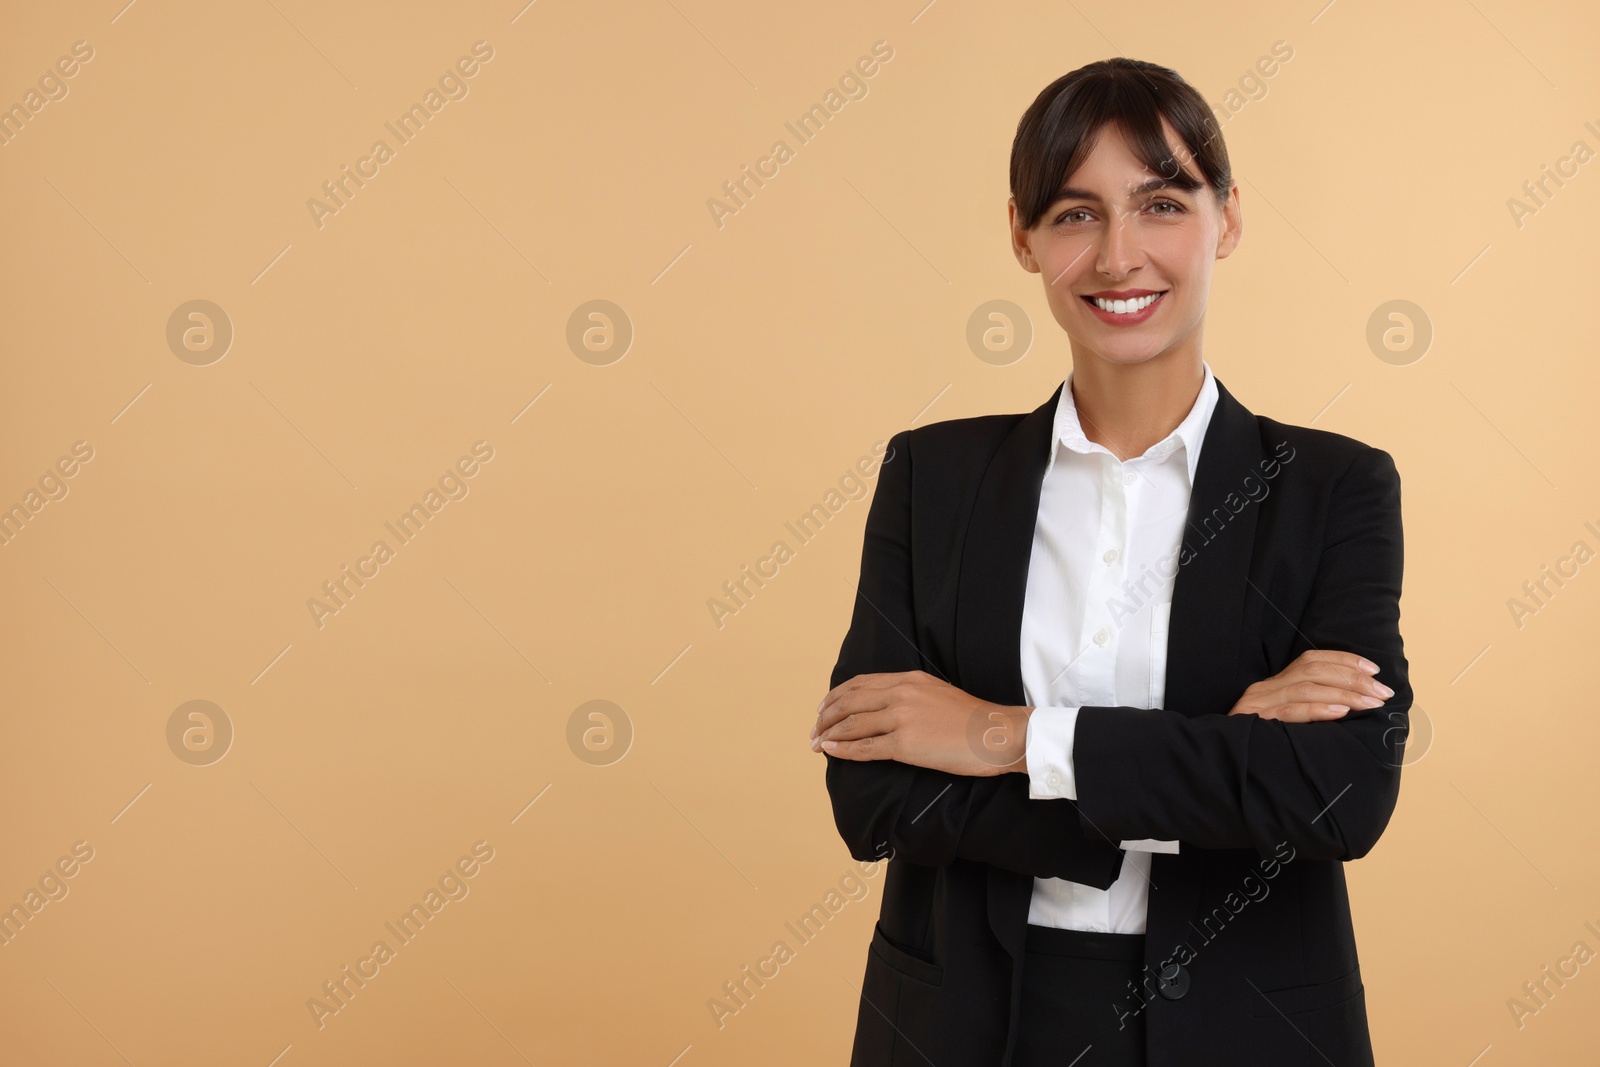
{"x":1060,"y":128}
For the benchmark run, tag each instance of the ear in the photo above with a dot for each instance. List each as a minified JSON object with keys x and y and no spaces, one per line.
{"x":1232,"y":230}
{"x":1019,"y":239}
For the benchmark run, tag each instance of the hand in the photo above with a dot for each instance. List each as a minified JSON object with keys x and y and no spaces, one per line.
{"x":1319,"y":685}
{"x":918,"y":719}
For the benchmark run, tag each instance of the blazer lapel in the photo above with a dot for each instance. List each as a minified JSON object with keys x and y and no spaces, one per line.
{"x":989,"y":600}
{"x":1204,"y":638}
{"x":994,"y":561}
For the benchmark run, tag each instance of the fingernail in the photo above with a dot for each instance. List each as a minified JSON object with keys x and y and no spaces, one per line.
{"x":1385,"y":690}
{"x":830,"y":745}
{"x":1340,"y":708}
{"x":814,"y":745}
{"x":1369,"y":666}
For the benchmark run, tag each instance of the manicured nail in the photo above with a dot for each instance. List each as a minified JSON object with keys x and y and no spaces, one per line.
{"x":1385,"y":690}
{"x":814,"y":744}
{"x":1369,"y":666}
{"x":830,"y":745}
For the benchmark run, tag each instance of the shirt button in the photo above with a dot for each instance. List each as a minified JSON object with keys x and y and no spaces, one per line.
{"x":1055,"y":779}
{"x":1110,"y":556}
{"x":1101,"y":637}
{"x":1130,"y":478}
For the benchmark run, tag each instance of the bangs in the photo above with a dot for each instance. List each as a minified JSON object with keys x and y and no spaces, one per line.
{"x":1063,"y":125}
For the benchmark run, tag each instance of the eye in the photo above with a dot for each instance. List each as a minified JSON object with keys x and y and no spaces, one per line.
{"x":1068,"y":213}
{"x":1177,"y":209}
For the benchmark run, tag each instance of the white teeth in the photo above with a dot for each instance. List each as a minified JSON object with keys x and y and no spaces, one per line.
{"x":1126,"y":307}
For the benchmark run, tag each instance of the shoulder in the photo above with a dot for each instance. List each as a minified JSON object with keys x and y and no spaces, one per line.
{"x":1328,"y":456}
{"x":962,"y":432}
{"x":946,"y":460}
{"x":1329,"y":478}
{"x":961,"y":440}
{"x":942,"y":464}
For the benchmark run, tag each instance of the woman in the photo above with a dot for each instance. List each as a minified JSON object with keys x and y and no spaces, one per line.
{"x":1124,"y":685}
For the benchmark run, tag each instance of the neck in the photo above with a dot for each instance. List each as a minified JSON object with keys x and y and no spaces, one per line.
{"x":1127,"y":407}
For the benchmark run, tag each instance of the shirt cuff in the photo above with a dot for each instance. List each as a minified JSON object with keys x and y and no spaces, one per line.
{"x":1047,"y":748}
{"x":1149,"y":844}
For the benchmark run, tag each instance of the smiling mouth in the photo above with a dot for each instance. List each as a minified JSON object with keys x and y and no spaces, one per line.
{"x":1124,"y":307}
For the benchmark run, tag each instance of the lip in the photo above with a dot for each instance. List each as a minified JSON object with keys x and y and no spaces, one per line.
{"x":1111,"y":318}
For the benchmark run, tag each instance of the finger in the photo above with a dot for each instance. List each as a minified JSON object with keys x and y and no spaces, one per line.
{"x":859,"y":702}
{"x":1317,"y":692}
{"x":1290,"y":689}
{"x":838,"y":692}
{"x":853,"y":682}
{"x":853,"y":727}
{"x":1339,"y":676}
{"x":1342,"y":676}
{"x":863,"y":681}
{"x":1345,"y":659}
{"x":868,"y":748}
{"x":1306,"y":712}
{"x":861,"y":698}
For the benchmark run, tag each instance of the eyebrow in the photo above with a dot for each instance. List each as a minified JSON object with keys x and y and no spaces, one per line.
{"x":1144,"y":188}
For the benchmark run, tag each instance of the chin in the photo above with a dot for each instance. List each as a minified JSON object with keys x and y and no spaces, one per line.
{"x":1128,"y":359}
{"x":1127,"y":351}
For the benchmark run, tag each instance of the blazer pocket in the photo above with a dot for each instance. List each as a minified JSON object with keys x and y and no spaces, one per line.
{"x":902,"y":960}
{"x":1303,"y":998}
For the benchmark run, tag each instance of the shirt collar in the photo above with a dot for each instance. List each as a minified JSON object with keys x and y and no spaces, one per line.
{"x":1189,"y":434}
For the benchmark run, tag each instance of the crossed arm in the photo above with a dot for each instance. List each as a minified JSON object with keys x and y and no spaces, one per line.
{"x":1326,"y":784}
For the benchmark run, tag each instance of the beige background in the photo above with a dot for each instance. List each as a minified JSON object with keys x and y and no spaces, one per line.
{"x":431,"y":712}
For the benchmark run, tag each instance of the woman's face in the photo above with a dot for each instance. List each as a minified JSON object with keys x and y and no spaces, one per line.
{"x":1119,"y":233}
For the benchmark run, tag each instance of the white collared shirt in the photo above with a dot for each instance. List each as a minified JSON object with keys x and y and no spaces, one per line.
{"x":1094,"y":623}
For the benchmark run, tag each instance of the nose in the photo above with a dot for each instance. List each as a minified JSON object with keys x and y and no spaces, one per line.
{"x":1119,"y":248}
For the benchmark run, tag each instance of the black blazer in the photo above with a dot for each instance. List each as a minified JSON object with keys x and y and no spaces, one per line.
{"x":1293,"y":542}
